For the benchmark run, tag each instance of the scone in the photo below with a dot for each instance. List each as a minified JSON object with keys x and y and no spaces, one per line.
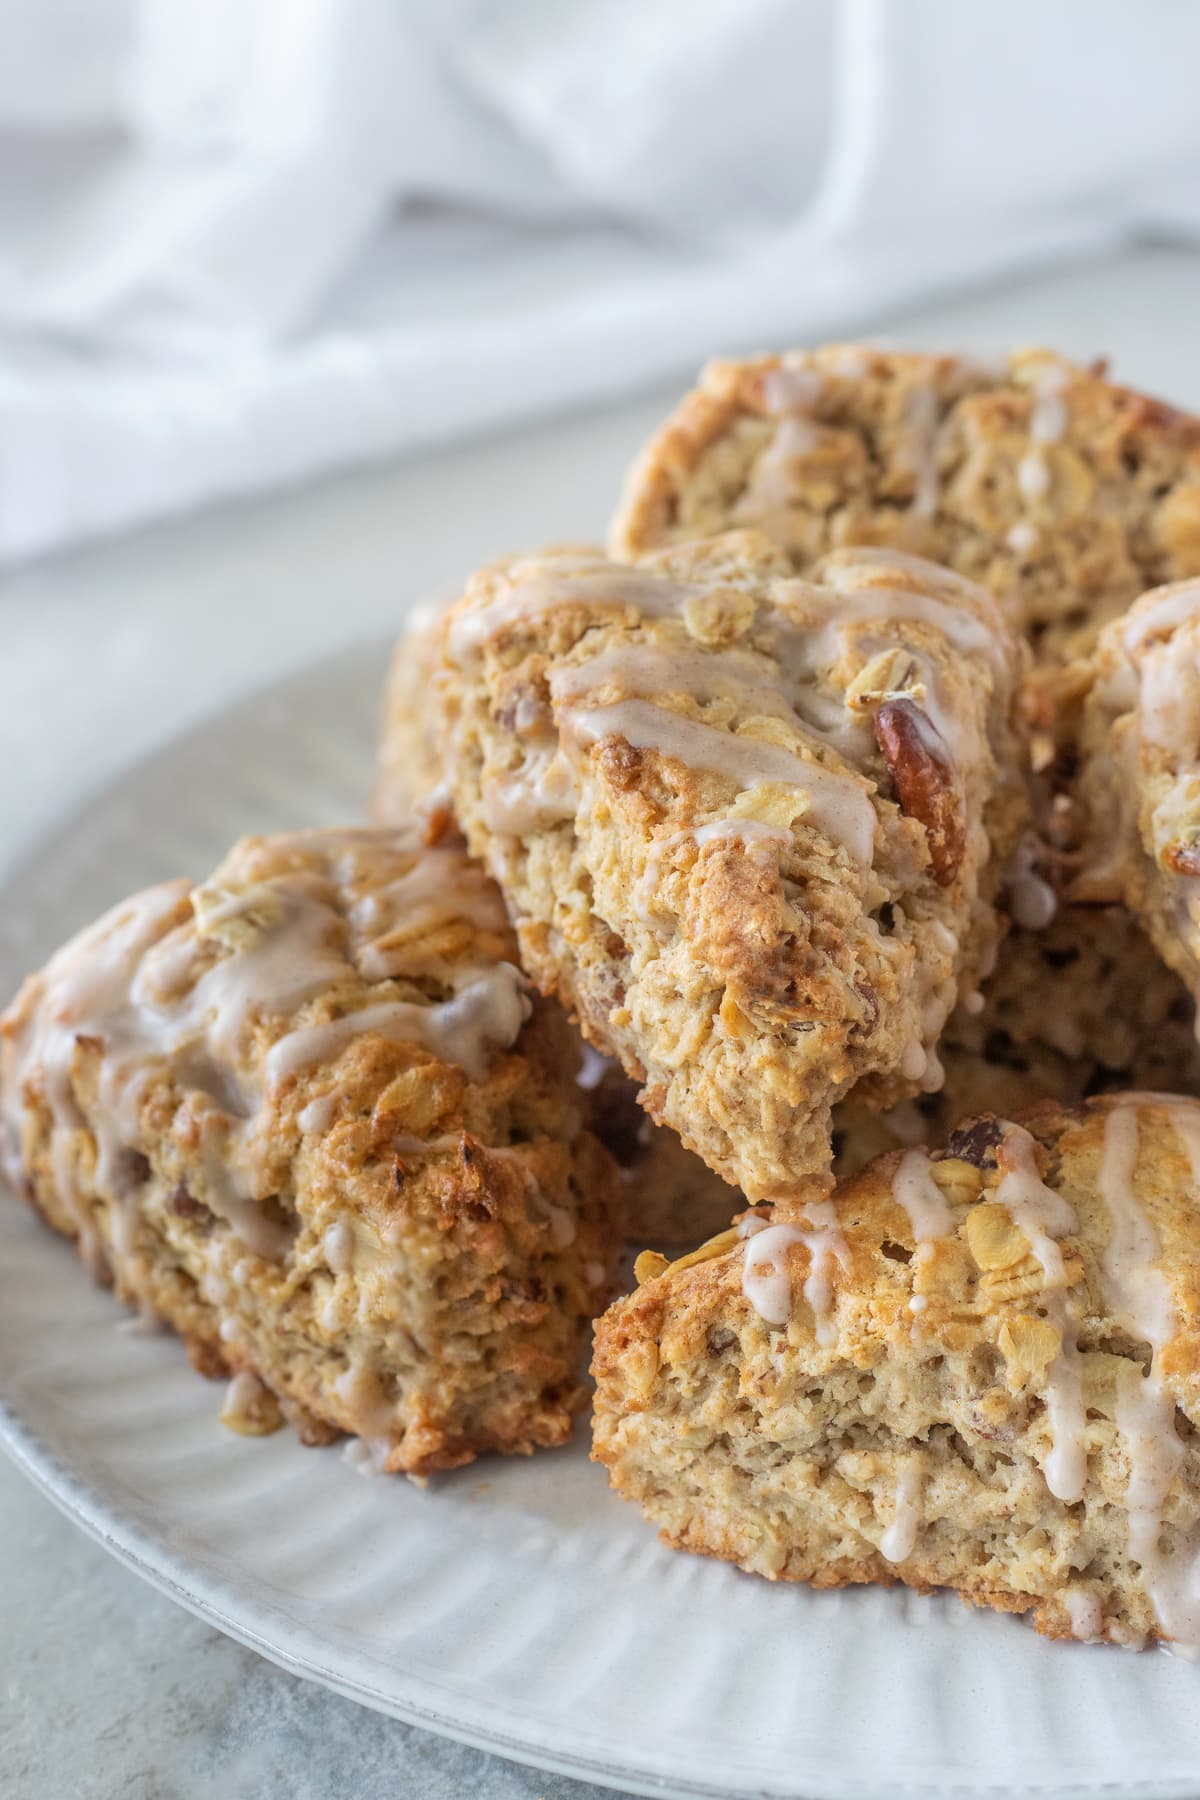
{"x":1082,"y":1005}
{"x":1140,"y":776}
{"x":1064,"y":495}
{"x":671,"y":1197}
{"x":975,"y":1368}
{"x":749,"y":828}
{"x":309,"y":1115}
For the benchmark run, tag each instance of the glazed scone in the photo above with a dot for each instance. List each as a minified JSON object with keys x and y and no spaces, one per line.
{"x":749,"y":828}
{"x":1140,"y":776}
{"x":308,"y":1114}
{"x":975,"y":1368}
{"x":1063,"y":494}
{"x":1082,"y":1005}
{"x":671,"y":1197}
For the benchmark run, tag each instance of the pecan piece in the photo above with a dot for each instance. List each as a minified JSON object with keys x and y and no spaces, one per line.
{"x":921,"y":769}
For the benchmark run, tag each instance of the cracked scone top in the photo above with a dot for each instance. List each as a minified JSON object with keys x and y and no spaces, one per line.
{"x":1065,"y":495}
{"x":1140,"y":779}
{"x":976,"y":1367}
{"x":309,"y":1114}
{"x":748,"y":827}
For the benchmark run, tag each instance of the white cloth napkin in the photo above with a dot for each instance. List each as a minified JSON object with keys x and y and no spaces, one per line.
{"x":246,"y":241}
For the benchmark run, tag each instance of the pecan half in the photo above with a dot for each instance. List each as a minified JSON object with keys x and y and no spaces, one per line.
{"x":923,"y":774}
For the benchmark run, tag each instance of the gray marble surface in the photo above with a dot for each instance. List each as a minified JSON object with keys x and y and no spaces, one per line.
{"x":107,"y":1690}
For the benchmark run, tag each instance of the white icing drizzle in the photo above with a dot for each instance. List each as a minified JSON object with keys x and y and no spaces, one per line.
{"x":1160,"y":612}
{"x":487,"y":1011}
{"x":1032,"y":901}
{"x":766,"y":1282}
{"x":80,"y":987}
{"x":839,"y":805}
{"x":791,"y":389}
{"x":316,"y":1117}
{"x":914,"y":1188}
{"x":826,"y":1246}
{"x":244,"y":1392}
{"x":1022,"y":538}
{"x":861,"y":597}
{"x":125,"y":981}
{"x":899,"y":1539}
{"x":1140,"y":1298}
{"x":1085,"y":1615}
{"x":337,"y":1246}
{"x":592,"y":1068}
{"x":1044,"y":1217}
{"x":440,"y":887}
{"x":366,"y":1455}
{"x":1048,"y":420}
{"x":1033,"y":477}
{"x":526,"y":597}
{"x":921,"y":420}
{"x":774,"y":481}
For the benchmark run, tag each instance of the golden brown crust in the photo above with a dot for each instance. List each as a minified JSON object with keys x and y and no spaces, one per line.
{"x":395,"y":1244}
{"x":1065,"y":495}
{"x":674,"y":776}
{"x":922,"y":1381}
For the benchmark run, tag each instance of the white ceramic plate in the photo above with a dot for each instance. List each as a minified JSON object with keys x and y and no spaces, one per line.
{"x":517,"y":1605}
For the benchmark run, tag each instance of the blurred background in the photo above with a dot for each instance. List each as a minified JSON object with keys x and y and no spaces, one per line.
{"x":245,"y":242}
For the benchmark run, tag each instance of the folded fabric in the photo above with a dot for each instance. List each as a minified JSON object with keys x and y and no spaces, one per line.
{"x":246,"y":241}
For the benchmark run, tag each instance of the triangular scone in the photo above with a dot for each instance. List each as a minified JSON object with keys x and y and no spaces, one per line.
{"x":975,"y":1368}
{"x":749,"y":828}
{"x":308,"y":1114}
{"x":1140,"y":780}
{"x":1065,"y":495}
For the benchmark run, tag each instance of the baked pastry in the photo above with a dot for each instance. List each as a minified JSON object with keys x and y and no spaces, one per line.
{"x":671,"y":1197}
{"x":309,"y":1115}
{"x":1063,"y":494}
{"x":1140,"y":774}
{"x":975,"y":1368}
{"x":1082,"y":1005}
{"x":749,"y":828}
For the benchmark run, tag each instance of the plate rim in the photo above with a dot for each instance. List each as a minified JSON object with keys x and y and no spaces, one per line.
{"x":297,"y":1648}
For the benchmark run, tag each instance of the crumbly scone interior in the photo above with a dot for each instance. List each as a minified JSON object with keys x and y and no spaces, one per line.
{"x":1065,"y":495}
{"x":750,"y":828}
{"x":975,"y":1369}
{"x":309,"y":1114}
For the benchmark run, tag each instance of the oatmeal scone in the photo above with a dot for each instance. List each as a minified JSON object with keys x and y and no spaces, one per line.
{"x":1140,"y":772}
{"x":750,"y":828}
{"x":974,"y":1368}
{"x":1065,"y":495}
{"x":1081,"y":1005}
{"x":308,"y":1114}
